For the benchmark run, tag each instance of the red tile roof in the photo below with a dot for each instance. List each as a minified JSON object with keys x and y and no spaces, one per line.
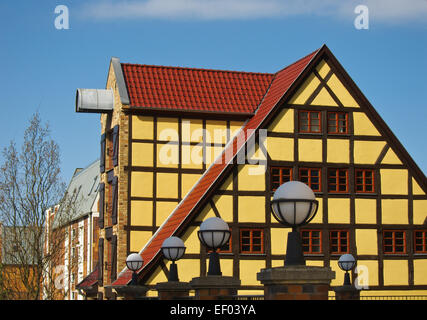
{"x":194,"y":89}
{"x":280,"y":84}
{"x":90,"y":280}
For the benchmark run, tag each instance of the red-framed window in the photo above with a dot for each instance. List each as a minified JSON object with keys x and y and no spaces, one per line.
{"x":394,"y":241}
{"x":339,"y":241}
{"x":311,"y":177}
{"x":252,"y":241}
{"x":420,"y":241}
{"x":337,"y":122}
{"x":310,"y":121}
{"x":338,"y":180}
{"x":311,"y":241}
{"x":280,"y":175}
{"x":364,"y":180}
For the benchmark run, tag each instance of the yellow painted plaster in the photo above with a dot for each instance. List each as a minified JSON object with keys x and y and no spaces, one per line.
{"x":367,"y":152}
{"x":363,"y":126}
{"x":191,"y":240}
{"x":341,"y":92}
{"x":366,"y":241}
{"x":318,"y":218}
{"x":188,"y":269}
{"x":284,"y":122}
{"x":338,"y":210}
{"x":167,"y":129}
{"x":251,"y":209}
{"x":279,"y":237}
{"x":141,"y":184}
{"x":367,"y":273}
{"x":305,"y":90}
{"x":187,"y":182}
{"x":394,"y":181}
{"x":167,"y":155}
{"x":212,"y":153}
{"x":192,"y":130}
{"x":338,"y":151}
{"x":142,"y":127}
{"x":249,"y":270}
{"x":235,"y":126}
{"x":206,"y":213}
{"x":226,"y":267}
{"x":394,"y":211}
{"x":142,"y":154}
{"x":157,"y":276}
{"x":163,"y":210}
{"x":224,"y":204}
{"x":249,"y":178}
{"x":366,"y":211}
{"x":416,"y":189}
{"x":216,"y":131}
{"x":391,"y":158}
{"x":420,"y":272}
{"x":167,"y":185}
{"x":141,"y":213}
{"x":280,"y":148}
{"x":323,"y":68}
{"x":323,"y":98}
{"x":420,"y":211}
{"x":192,"y":157}
{"x":395,"y":272}
{"x":138,"y":239}
{"x":310,"y":150}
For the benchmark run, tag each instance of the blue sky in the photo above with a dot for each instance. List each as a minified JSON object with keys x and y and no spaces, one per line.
{"x":42,"y":66}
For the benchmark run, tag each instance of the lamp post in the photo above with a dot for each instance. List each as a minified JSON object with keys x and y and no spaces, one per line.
{"x":214,"y":233}
{"x":346,"y":263}
{"x":173,"y":249}
{"x":294,"y":204}
{"x":134,"y":262}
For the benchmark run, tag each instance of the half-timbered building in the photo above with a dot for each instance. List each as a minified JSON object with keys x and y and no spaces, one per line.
{"x":179,"y":145}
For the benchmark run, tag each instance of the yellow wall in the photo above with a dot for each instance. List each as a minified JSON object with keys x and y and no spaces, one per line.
{"x":394,"y":181}
{"x":163,"y":210}
{"x":141,"y":213}
{"x":310,"y":150}
{"x":167,"y":185}
{"x":323,"y":98}
{"x":394,"y":211}
{"x":249,"y":270}
{"x":363,"y":126}
{"x":391,"y":158}
{"x":138,"y":239}
{"x":366,"y":211}
{"x":251,"y":209}
{"x":284,"y":122}
{"x":395,"y":272}
{"x":305,"y":90}
{"x":420,"y":274}
{"x":187,"y":182}
{"x":142,"y":184}
{"x":416,"y":189}
{"x":280,"y":148}
{"x":338,"y":210}
{"x":167,"y":129}
{"x":224,"y":204}
{"x":367,"y":152}
{"x":341,"y":92}
{"x":142,"y":154}
{"x":338,"y":151}
{"x":420,"y":211}
{"x":142,"y":127}
{"x":366,"y":241}
{"x":249,"y":179}
{"x":191,"y":240}
{"x":371,"y":277}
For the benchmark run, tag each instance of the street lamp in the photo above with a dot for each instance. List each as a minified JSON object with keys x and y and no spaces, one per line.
{"x":294,"y":204}
{"x":173,"y":249}
{"x":214,"y":233}
{"x":346,"y":263}
{"x":134,"y":262}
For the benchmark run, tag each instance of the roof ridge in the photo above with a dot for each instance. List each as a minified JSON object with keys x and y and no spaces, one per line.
{"x":196,"y":69}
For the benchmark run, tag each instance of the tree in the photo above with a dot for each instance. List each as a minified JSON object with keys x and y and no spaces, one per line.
{"x":30,"y":184}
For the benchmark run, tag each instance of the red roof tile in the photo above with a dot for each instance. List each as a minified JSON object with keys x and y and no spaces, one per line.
{"x":280,"y":84}
{"x":194,"y":89}
{"x":90,"y":280}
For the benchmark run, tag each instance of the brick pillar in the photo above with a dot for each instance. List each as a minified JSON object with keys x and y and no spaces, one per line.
{"x":215,"y":287}
{"x":347,"y":292}
{"x":173,"y":290}
{"x":296,"y":282}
